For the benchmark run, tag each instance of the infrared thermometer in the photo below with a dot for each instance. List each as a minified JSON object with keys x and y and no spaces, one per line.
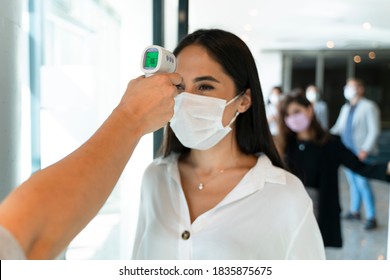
{"x":156,"y":59}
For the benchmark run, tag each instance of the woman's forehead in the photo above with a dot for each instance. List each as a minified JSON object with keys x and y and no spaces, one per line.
{"x":195,"y":56}
{"x":194,"y":61}
{"x":294,"y":106}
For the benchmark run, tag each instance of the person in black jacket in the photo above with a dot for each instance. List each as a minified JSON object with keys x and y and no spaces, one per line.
{"x":314,"y":156}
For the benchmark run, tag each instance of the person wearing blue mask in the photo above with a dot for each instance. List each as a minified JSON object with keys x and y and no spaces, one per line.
{"x":219,"y":190}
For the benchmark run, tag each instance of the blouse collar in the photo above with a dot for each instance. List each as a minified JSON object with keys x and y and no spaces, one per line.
{"x":263,"y":172}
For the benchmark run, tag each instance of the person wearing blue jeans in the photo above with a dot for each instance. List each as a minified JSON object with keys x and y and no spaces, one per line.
{"x":359,"y":126}
{"x":361,"y":191}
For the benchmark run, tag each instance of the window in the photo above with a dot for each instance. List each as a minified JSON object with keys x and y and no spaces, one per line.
{"x":90,"y":50}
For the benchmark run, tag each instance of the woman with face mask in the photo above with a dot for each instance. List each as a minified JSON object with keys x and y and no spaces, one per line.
{"x":314,"y":156}
{"x":272,"y":109}
{"x":219,"y":190}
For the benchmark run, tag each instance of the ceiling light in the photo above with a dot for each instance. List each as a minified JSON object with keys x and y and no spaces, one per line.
{"x":371,"y":55}
{"x":367,"y":26}
{"x":357,"y":59}
{"x":330,"y":44}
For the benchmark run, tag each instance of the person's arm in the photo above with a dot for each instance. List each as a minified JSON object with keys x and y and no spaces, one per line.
{"x":48,"y":210}
{"x":373,"y":124}
{"x":379,"y":171}
{"x":307,"y":243}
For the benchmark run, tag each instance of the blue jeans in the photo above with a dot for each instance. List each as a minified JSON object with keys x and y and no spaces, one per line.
{"x":360,"y":190}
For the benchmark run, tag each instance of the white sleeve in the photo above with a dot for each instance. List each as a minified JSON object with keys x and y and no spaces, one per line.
{"x":373,"y":124}
{"x":141,"y":222}
{"x":308,"y":232}
{"x":9,"y":246}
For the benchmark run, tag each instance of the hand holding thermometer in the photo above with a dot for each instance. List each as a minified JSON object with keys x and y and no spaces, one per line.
{"x":156,"y":59}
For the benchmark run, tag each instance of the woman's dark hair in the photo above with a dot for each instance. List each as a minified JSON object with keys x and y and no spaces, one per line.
{"x":320,"y":136}
{"x":252,"y":131}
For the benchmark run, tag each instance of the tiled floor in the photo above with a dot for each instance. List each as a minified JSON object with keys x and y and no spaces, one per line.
{"x":360,"y":244}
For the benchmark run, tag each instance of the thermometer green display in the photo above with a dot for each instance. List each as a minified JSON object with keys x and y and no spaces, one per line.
{"x":156,"y":59}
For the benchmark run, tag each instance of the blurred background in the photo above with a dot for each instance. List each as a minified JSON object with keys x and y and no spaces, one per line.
{"x":64,"y":65}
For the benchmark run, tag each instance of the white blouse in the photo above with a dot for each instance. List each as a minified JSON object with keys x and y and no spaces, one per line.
{"x":268,"y":215}
{"x":9,"y":246}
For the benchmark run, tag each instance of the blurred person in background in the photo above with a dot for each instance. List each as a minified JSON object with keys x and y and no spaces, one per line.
{"x":358,"y":124}
{"x":319,"y":105}
{"x":314,"y":155}
{"x":272,"y":109}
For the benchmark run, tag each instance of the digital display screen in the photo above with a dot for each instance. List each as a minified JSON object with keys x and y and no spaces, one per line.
{"x":151,"y":59}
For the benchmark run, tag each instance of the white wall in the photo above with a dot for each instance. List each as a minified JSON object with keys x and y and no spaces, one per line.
{"x":269,"y":65}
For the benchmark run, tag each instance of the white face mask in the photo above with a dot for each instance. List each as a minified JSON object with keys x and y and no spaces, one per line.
{"x":197,"y":120}
{"x":274,"y":99}
{"x":312,"y":95}
{"x":349,"y":93}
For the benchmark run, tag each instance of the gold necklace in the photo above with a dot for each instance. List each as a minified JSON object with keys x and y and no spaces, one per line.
{"x":201,"y":184}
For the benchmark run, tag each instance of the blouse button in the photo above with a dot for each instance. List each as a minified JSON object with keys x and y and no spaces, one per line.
{"x":185,"y":235}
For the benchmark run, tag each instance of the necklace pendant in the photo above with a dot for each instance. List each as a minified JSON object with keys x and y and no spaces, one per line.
{"x":200,"y":186}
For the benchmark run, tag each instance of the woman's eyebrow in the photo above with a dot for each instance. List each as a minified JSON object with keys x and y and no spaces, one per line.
{"x":205,"y":78}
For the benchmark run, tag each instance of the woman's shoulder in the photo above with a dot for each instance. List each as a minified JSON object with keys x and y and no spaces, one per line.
{"x":331,"y":147}
{"x":159,"y":173}
{"x":161,"y":164}
{"x":277,"y":175}
{"x":335,"y":140}
{"x":286,"y":189}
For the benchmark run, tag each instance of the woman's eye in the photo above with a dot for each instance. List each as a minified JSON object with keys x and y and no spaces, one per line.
{"x":180,"y":87}
{"x":293,"y":113}
{"x":205,"y":87}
